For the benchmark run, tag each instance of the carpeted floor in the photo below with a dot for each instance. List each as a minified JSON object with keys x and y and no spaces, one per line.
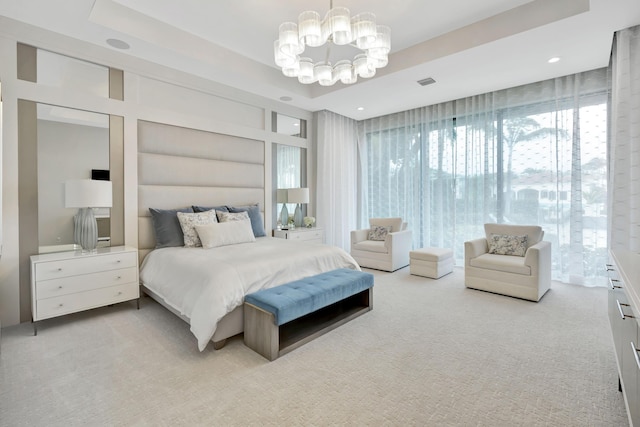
{"x":431,"y":353}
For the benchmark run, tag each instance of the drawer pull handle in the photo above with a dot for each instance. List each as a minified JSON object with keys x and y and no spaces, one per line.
{"x":60,"y":287}
{"x":119,"y":292}
{"x":61,"y":305}
{"x":118,"y":277}
{"x":635,"y":353}
{"x":624,"y":316}
{"x":613,"y":286}
{"x":118,"y":261}
{"x":59,"y":268}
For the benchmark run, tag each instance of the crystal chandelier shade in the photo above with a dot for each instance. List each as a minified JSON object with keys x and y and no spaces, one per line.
{"x":339,"y":28}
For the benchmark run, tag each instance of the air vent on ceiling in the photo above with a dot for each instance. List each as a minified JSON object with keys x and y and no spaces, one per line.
{"x":426,"y":81}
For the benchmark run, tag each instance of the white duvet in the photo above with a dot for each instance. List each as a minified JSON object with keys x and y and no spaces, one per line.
{"x":206,"y":284}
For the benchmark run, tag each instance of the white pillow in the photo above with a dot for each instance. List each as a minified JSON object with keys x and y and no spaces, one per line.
{"x":225,"y":233}
{"x":188,"y":221}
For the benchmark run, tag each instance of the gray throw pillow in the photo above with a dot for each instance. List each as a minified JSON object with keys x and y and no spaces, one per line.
{"x":166,"y":227}
{"x":257,"y":224}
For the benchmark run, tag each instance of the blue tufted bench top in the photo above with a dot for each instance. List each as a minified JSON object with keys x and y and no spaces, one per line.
{"x":295,"y":299}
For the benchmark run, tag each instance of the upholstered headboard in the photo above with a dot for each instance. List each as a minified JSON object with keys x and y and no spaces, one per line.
{"x":180,"y":167}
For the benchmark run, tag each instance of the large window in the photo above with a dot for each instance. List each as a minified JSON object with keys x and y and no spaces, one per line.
{"x":529,"y":155}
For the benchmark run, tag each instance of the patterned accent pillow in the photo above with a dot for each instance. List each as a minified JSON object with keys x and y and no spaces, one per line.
{"x":188,"y":222}
{"x":505,"y":244}
{"x":379,"y":232}
{"x":232,"y":216}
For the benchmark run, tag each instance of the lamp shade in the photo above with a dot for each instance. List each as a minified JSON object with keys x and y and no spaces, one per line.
{"x":282,"y":195}
{"x":87,"y":193}
{"x":298,"y":195}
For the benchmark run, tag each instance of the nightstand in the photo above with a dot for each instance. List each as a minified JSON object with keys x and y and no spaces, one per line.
{"x":313,"y":234}
{"x":68,"y":282}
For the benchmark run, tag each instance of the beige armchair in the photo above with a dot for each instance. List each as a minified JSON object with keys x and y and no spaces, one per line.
{"x":526,"y":273}
{"x":388,"y":254}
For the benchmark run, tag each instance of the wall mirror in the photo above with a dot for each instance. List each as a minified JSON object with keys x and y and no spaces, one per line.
{"x":290,"y":172}
{"x":71,"y":144}
{"x":287,"y":125}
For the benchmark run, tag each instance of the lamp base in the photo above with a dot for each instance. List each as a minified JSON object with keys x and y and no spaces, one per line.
{"x":85,"y":232}
{"x":284,"y":215}
{"x":297,"y":215}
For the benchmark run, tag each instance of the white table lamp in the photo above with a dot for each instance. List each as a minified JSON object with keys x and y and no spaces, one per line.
{"x":298,"y":196}
{"x":87,"y":194}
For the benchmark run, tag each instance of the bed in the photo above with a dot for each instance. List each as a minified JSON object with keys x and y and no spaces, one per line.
{"x":206,"y":287}
{"x":183,"y":168}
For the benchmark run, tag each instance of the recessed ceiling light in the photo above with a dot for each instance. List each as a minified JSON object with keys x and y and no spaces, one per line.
{"x":286,"y":98}
{"x":118,"y":44}
{"x":360,"y":108}
{"x":553,"y":60}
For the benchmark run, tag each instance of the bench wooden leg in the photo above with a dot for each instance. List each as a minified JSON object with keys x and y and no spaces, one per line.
{"x":261,"y":334}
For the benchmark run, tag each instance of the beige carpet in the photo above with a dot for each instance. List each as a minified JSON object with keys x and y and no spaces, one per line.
{"x":431,"y":353}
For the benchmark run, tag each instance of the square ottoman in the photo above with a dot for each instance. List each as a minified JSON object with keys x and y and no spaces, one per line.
{"x":431,"y":262}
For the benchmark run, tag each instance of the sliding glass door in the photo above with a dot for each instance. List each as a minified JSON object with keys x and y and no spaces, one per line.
{"x":529,"y":155}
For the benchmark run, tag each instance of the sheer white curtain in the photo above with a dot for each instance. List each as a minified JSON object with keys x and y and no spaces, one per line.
{"x":624,"y":155}
{"x":337,"y":177}
{"x":534,"y":154}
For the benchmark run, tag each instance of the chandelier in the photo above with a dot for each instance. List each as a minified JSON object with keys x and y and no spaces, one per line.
{"x":338,"y":28}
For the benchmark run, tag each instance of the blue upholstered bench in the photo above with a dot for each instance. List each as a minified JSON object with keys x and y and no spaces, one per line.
{"x":278,"y":320}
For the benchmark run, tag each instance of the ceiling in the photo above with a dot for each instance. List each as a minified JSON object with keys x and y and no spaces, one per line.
{"x":467,"y":46}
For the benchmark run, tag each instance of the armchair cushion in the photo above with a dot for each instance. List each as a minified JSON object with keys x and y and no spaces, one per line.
{"x":371,"y":246}
{"x":507,"y":264}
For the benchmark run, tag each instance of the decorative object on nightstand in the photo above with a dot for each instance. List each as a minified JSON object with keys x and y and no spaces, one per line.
{"x":298,"y":196}
{"x":309,"y":221}
{"x":87,"y":194}
{"x":281,"y":197}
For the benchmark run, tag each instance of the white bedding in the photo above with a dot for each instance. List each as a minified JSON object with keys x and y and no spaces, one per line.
{"x":206,"y":284}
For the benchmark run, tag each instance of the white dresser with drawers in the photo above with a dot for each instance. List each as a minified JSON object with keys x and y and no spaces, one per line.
{"x":68,"y":282}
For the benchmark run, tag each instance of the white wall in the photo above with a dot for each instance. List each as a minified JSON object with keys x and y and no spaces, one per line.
{"x":151,"y":93}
